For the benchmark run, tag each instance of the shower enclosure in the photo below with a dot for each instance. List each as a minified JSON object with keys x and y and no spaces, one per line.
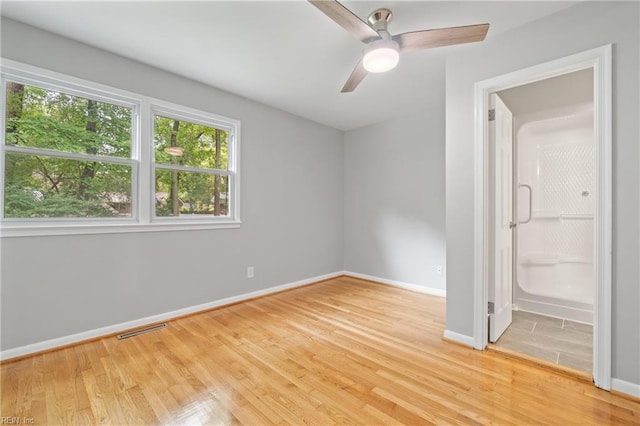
{"x":555,"y":206}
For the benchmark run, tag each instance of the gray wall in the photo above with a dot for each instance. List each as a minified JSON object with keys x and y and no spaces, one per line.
{"x":394,"y":194}
{"x":292,"y":209}
{"x":581,"y":27}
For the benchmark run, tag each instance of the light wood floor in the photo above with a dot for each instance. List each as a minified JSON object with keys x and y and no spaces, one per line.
{"x":341,"y":351}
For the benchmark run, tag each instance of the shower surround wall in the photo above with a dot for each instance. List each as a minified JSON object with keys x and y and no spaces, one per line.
{"x":555,"y":247}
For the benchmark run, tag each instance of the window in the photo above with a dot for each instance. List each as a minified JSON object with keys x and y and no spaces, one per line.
{"x":78,"y":157}
{"x":65,"y":155}
{"x":191,"y":168}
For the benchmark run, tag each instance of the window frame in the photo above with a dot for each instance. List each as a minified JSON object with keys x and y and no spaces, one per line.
{"x":195,"y":117}
{"x":141,"y":159}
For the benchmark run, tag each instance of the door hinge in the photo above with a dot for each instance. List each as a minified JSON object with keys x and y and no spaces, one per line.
{"x":492,"y":308}
{"x":492,"y":114}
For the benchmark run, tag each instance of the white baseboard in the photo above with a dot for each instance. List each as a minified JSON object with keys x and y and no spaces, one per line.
{"x":456,"y":337}
{"x":113,"y":329}
{"x":412,"y":287}
{"x":629,"y":388}
{"x":459,"y":338}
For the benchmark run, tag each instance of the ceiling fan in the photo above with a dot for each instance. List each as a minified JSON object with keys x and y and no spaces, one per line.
{"x":382,"y":50}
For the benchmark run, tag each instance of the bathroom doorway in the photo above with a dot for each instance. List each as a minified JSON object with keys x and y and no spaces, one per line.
{"x":552,"y":188}
{"x":506,"y":282}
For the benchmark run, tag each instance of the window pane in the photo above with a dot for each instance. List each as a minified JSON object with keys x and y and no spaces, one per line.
{"x":40,"y":118}
{"x":190,"y":193}
{"x":38,"y":186}
{"x":188,"y":144}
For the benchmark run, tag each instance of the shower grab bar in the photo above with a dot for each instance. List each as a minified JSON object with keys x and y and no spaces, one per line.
{"x":575,"y":216}
{"x":524,"y":185}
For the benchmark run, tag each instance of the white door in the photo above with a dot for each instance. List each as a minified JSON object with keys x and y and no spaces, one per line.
{"x":500,"y":292}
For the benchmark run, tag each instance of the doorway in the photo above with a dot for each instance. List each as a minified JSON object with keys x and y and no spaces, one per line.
{"x":549,"y":234}
{"x":488,"y":270}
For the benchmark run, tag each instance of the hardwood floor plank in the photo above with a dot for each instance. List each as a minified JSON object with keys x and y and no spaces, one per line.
{"x":99,"y":408}
{"x":342,"y":351}
{"x":10,"y":378}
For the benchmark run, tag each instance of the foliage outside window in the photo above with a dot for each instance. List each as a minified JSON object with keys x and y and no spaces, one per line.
{"x":77,"y":153}
{"x":61,"y":155}
{"x":191,"y":168}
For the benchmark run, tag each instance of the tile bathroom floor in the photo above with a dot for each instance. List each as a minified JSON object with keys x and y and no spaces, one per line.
{"x":563,"y":342}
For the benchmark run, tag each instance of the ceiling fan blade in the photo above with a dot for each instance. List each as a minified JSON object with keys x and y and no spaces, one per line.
{"x":357,"y":75}
{"x":346,"y":19}
{"x":427,"y":39}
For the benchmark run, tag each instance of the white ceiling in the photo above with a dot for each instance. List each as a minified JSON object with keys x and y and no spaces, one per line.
{"x":286,"y":54}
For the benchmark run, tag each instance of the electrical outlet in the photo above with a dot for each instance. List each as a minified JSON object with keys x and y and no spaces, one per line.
{"x":250,"y":272}
{"x":439,"y":270}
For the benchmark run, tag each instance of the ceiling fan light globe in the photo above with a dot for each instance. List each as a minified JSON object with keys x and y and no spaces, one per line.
{"x":381,"y":56}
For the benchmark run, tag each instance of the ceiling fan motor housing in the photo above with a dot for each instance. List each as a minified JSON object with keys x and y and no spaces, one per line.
{"x":380,"y":18}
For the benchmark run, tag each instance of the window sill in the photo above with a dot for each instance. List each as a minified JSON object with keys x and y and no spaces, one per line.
{"x":30,"y":230}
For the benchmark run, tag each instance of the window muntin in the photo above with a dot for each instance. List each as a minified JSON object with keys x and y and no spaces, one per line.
{"x":66,"y":156}
{"x":191,"y":169}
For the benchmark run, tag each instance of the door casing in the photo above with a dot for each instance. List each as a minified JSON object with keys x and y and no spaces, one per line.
{"x":599,"y":59}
